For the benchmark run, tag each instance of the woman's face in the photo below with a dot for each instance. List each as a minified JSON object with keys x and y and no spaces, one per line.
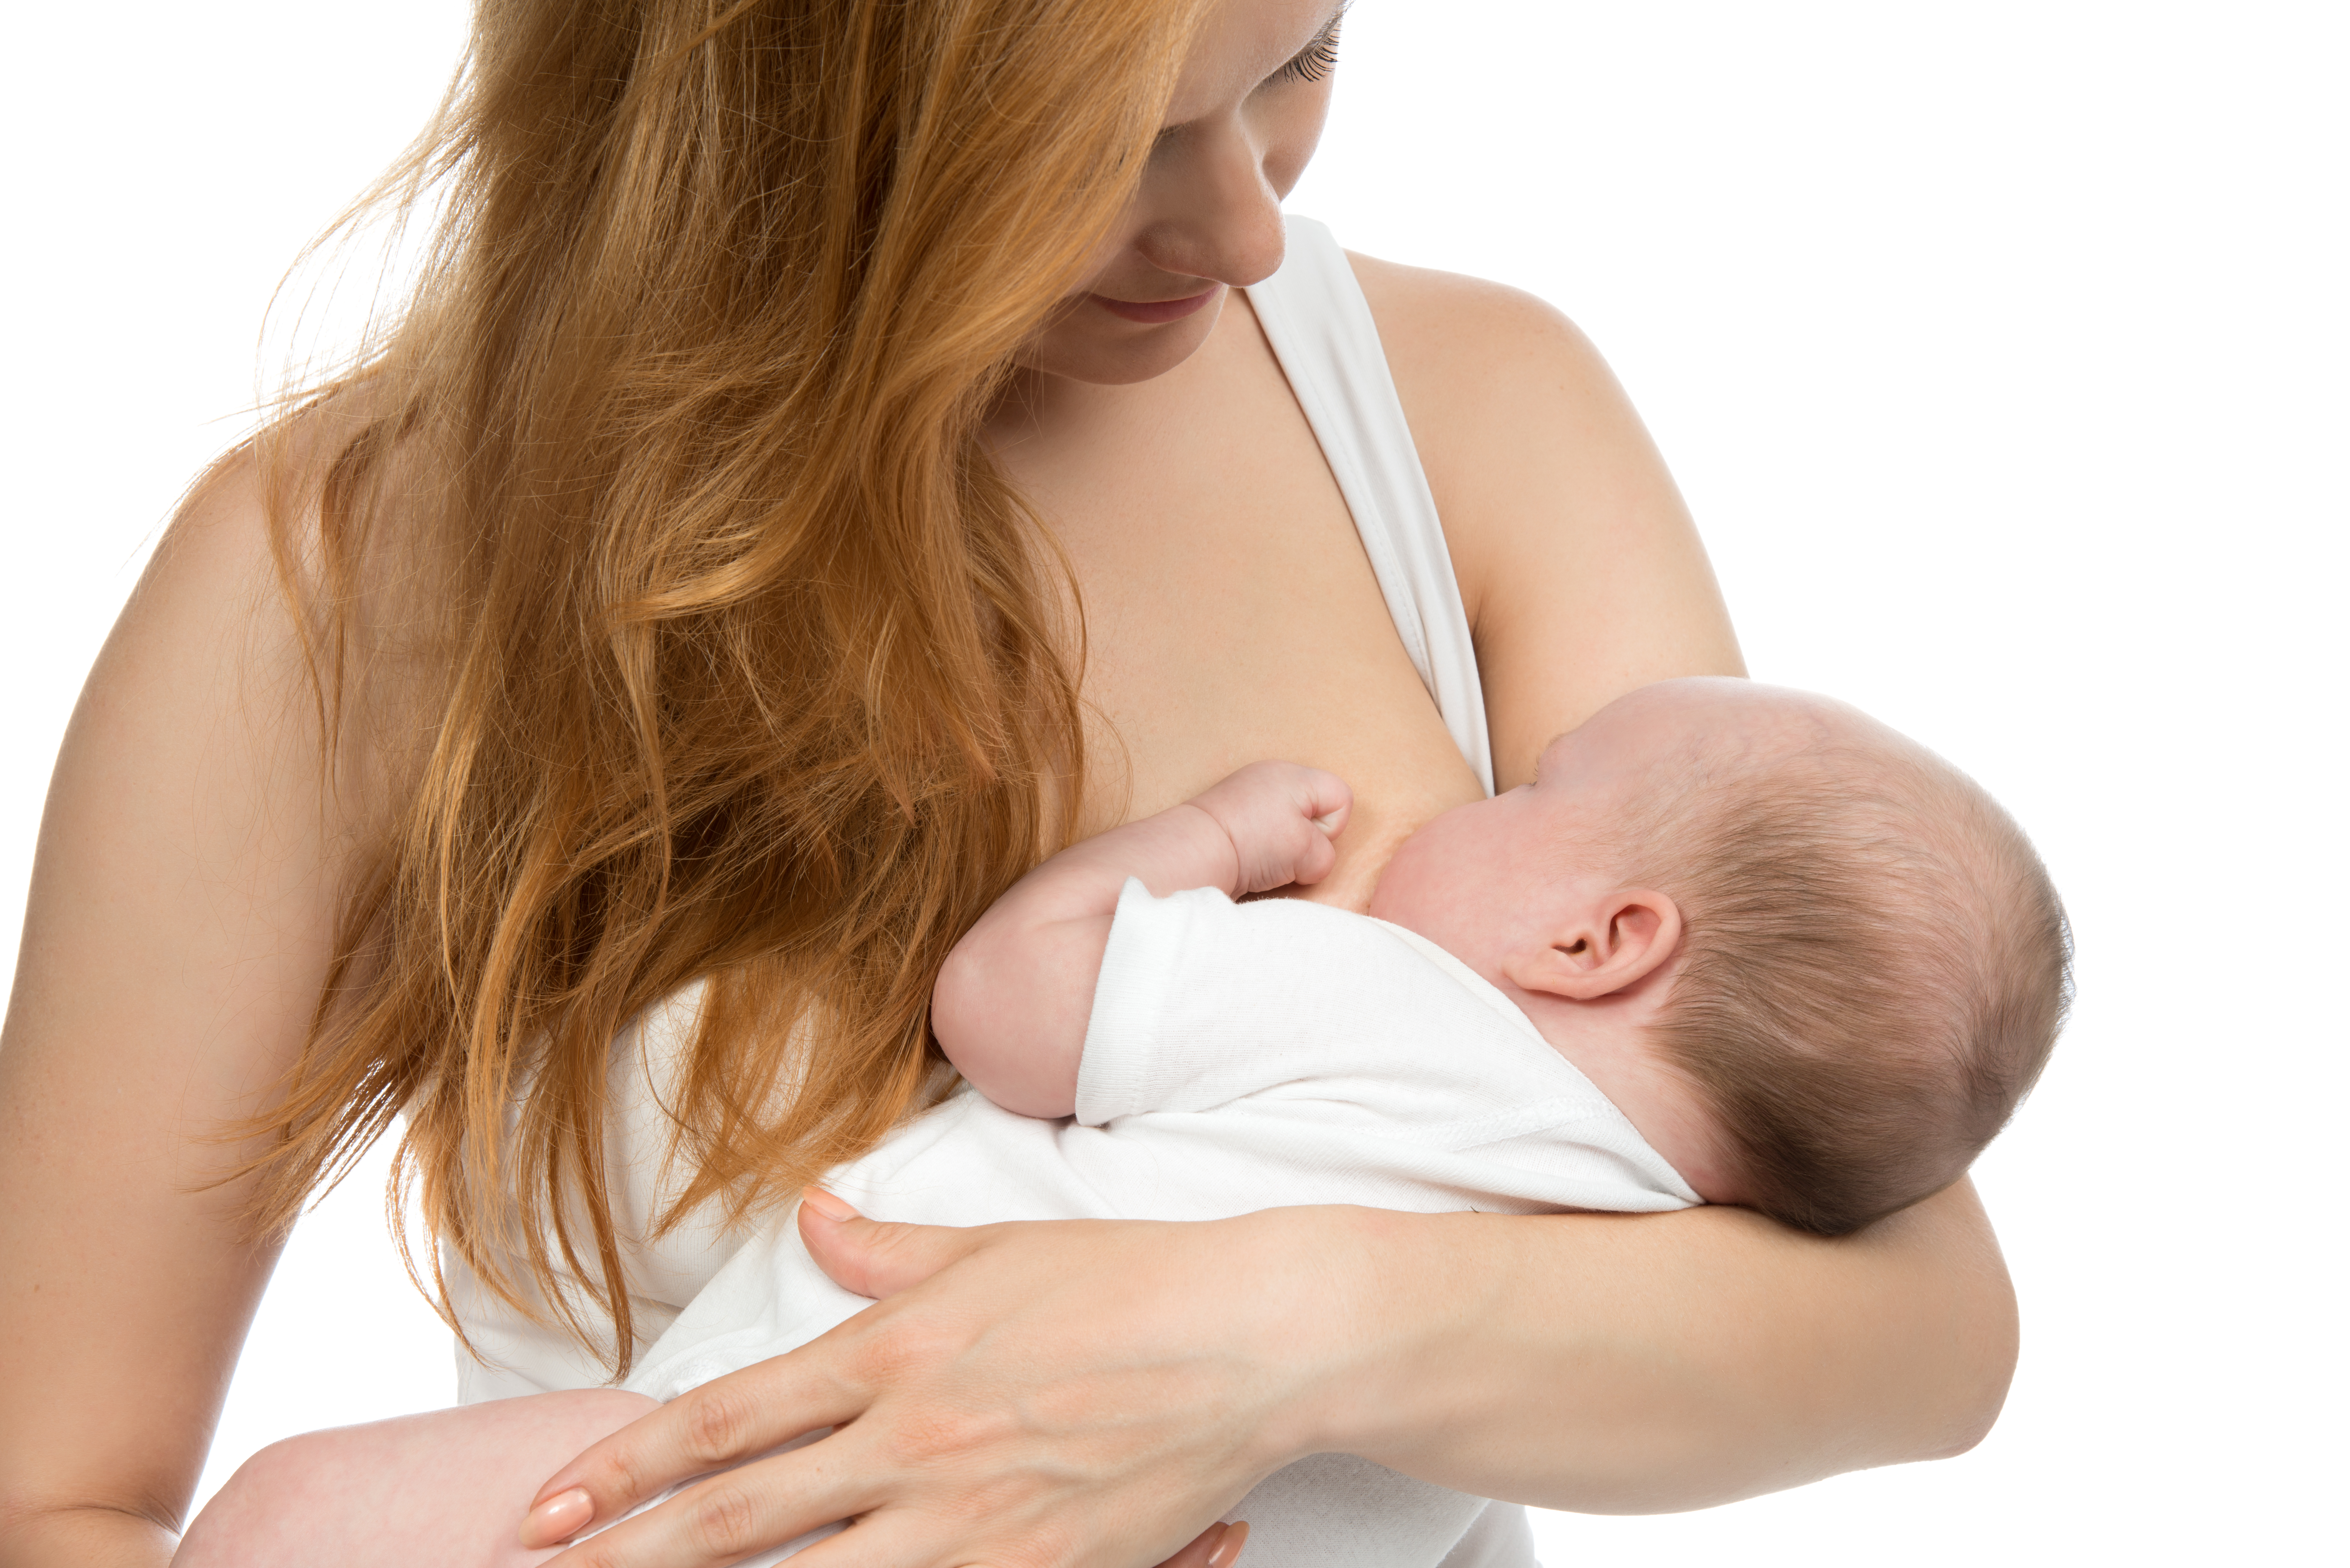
{"x":1247,"y":112}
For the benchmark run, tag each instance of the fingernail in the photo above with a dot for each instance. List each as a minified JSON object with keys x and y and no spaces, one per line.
{"x":1229,"y":1546}
{"x":825,"y":1204}
{"x":559,"y":1517}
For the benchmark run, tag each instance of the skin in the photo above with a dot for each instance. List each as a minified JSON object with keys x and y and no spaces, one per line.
{"x":190,"y":868}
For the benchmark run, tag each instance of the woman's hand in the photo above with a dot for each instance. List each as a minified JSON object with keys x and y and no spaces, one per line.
{"x":1057,"y":1393}
{"x":1087,"y":1392}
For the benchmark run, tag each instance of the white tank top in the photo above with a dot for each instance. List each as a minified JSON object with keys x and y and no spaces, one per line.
{"x":1315,"y":316}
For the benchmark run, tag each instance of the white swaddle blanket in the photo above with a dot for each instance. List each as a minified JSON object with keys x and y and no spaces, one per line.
{"x":1240,"y":1057}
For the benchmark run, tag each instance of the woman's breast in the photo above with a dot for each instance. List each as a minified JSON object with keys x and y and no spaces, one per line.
{"x":1229,"y":612}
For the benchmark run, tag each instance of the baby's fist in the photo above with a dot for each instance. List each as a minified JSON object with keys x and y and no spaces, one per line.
{"x":1281,"y":818}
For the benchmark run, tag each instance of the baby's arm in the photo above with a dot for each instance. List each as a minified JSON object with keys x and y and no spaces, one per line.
{"x":1011,"y":1001}
{"x":421,"y":1491}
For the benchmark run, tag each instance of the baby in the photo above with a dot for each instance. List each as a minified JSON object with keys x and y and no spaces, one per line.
{"x":1734,"y":944}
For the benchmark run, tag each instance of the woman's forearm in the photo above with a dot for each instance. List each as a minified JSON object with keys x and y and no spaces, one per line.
{"x":1603,"y":1362}
{"x":1637,"y":1363}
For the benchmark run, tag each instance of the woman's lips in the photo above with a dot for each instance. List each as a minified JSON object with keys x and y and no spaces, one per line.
{"x":1152,"y":312}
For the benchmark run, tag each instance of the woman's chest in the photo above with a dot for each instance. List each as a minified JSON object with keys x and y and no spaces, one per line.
{"x":1229,"y":613}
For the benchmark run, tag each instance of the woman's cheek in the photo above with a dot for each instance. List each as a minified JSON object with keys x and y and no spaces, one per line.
{"x":1292,"y":131}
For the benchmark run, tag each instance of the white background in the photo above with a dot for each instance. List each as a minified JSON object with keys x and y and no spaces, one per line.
{"x":2000,"y":349}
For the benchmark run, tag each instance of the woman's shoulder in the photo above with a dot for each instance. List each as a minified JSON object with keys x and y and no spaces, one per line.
{"x":252,"y":517}
{"x":1578,"y":566}
{"x":1506,"y":399}
{"x":240,"y":587}
{"x":1492,"y":378}
{"x":1462,"y":340}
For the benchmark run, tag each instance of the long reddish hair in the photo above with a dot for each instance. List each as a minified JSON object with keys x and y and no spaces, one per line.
{"x":748,"y":663}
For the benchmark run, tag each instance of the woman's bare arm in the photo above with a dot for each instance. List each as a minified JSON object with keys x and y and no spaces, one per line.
{"x":1625,"y":1364}
{"x":1606,"y":1364}
{"x":1687,"y":1360}
{"x":174,"y":945}
{"x":1592,"y":1362}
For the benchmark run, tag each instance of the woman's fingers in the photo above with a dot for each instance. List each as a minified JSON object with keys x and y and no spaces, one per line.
{"x":888,"y":1539}
{"x":1218,"y":1546}
{"x":874,"y":1258}
{"x":746,"y":1413}
{"x":729,"y":1517}
{"x":789,"y":1496}
{"x":1059,"y":1393}
{"x":720,"y":1423}
{"x":885,"y":1539}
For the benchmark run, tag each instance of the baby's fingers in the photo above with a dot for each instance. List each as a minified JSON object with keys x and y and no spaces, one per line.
{"x":1327,"y":804}
{"x":1281,"y":818}
{"x":1326,"y":800}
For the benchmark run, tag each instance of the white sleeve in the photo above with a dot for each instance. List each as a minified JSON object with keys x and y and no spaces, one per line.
{"x":1321,"y":1041}
{"x":1203,"y":1002}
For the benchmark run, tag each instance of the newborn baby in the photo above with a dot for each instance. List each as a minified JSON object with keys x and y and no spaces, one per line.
{"x":1734,"y":944}
{"x":1813,"y":965}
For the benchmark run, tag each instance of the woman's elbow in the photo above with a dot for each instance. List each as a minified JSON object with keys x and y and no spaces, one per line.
{"x":1979,"y":1327}
{"x":1987,"y":1367}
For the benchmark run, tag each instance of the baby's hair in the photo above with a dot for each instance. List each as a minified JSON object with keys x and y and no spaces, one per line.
{"x":1875,"y":966}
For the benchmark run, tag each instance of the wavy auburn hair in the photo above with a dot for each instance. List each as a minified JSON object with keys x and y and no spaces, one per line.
{"x":747,"y":663}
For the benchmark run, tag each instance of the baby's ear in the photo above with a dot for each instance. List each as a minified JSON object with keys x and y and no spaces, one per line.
{"x":1602,"y":945}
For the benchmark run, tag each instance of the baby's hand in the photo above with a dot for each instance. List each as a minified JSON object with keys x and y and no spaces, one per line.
{"x":1281,"y":818}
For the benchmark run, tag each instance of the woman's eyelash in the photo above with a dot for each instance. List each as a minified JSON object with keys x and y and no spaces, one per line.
{"x":1316,"y":60}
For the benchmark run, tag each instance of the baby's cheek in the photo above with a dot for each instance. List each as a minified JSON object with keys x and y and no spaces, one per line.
{"x":1410,"y":881}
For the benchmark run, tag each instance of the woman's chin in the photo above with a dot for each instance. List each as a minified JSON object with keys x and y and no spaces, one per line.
{"x":1093,"y":345}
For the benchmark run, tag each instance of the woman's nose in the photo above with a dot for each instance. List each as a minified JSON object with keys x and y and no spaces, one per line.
{"x":1213,"y":213}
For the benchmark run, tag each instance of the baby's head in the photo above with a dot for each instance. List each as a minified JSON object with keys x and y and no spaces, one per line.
{"x":1815,"y":964}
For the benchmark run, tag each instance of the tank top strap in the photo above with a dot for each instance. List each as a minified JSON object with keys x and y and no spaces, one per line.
{"x":1320,"y":326}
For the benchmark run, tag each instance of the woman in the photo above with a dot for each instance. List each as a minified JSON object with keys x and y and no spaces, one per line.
{"x":831,"y":463}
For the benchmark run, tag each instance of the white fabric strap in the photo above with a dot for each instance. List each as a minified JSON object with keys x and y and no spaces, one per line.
{"x":1320,"y":326}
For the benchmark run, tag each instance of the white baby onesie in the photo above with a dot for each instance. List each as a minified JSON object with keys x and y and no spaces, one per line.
{"x":1239,"y":1057}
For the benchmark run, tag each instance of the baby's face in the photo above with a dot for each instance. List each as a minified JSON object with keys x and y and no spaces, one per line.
{"x":1509,"y":885}
{"x":1471,"y":875}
